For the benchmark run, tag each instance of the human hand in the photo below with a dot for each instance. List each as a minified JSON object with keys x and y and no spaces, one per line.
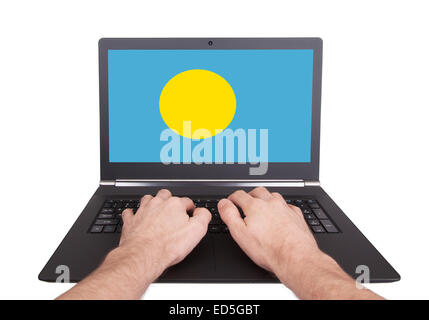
{"x":273,"y":234}
{"x":161,"y":233}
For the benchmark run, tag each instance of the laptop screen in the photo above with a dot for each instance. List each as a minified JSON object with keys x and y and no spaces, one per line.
{"x":210,"y":106}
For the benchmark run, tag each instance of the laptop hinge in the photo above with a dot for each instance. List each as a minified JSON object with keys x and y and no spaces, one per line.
{"x":227,"y":182}
{"x":204,"y":182}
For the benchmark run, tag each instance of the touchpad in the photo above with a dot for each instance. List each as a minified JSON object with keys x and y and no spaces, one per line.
{"x":199,"y":265}
{"x":232,"y":264}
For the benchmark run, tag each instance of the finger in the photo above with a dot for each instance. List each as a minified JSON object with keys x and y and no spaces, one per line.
{"x":296,"y":210}
{"x":188,"y":203}
{"x":197,"y":229}
{"x":298,"y":213}
{"x":278,"y":196}
{"x":201,"y":216}
{"x":241,"y":199}
{"x":261,"y":193}
{"x":127,"y":215}
{"x":163,"y":194}
{"x":145,"y":200}
{"x":231,"y":216}
{"x":236,"y":225}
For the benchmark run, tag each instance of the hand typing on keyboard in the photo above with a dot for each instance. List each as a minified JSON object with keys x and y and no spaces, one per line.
{"x":159,"y":235}
{"x":162,"y":227}
{"x":276,"y":236}
{"x":273,"y":233}
{"x":271,"y":228}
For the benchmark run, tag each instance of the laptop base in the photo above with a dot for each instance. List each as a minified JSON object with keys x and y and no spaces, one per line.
{"x":217,"y":258}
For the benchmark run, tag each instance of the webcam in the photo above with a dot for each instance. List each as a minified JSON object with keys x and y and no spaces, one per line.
{"x":210,"y":43}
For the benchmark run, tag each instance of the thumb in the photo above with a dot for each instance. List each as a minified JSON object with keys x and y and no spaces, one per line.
{"x":231,"y":216}
{"x":197,"y":229}
{"x":201,"y":218}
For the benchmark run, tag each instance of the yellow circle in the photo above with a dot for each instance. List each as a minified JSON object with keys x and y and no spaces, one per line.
{"x":199,"y":98}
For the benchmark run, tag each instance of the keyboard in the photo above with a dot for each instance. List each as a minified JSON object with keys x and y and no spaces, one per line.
{"x":109,"y":220}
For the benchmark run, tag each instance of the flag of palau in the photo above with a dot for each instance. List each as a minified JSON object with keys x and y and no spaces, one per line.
{"x":199,"y":98}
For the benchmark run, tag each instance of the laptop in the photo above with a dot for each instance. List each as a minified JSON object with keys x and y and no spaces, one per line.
{"x":203,"y":118}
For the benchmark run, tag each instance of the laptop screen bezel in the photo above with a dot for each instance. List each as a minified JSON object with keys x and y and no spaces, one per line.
{"x":276,"y":170}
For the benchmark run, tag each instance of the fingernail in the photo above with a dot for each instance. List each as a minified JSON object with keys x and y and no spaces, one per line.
{"x":222,"y":203}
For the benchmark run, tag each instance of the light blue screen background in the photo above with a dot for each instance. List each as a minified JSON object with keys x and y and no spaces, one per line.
{"x":273,"y":89}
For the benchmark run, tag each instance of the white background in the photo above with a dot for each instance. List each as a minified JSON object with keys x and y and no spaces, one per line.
{"x":374,"y":150}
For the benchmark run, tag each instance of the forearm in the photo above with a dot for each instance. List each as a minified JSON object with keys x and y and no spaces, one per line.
{"x":318,"y":276}
{"x":120,"y":276}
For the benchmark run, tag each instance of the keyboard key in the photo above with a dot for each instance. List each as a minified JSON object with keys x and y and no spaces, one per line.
{"x":224,"y":228}
{"x":215,"y":219}
{"x":130,"y":205}
{"x":119,"y":229}
{"x":313,"y":205}
{"x":313,"y":222}
{"x":105,"y":222}
{"x":96,"y":229}
{"x":106,"y":216}
{"x":199,"y":203}
{"x":309,"y":216}
{"x":214,"y":228}
{"x":118,"y":204}
{"x":107,"y":210}
{"x":318,"y":229}
{"x":109,"y":229}
{"x":320,"y":214}
{"x":211,"y":205}
{"x":107,"y":205}
{"x":329,"y":226}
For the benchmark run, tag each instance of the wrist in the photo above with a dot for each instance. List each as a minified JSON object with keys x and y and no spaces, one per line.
{"x":135,"y":262}
{"x":312,"y":274}
{"x":293,"y":263}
